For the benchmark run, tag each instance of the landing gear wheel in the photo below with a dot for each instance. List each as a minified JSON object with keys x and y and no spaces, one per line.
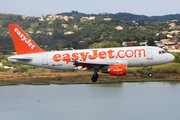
{"x":150,"y":74}
{"x":95,"y":77}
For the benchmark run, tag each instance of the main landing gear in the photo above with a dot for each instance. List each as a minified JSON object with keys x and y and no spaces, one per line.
{"x":95,"y":75}
{"x":149,"y":70}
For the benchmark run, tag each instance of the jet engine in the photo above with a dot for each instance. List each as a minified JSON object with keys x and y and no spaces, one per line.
{"x":117,"y":70}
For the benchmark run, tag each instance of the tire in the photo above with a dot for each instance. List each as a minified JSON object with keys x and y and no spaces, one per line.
{"x":96,"y":75}
{"x":94,"y":79}
{"x":150,"y":74}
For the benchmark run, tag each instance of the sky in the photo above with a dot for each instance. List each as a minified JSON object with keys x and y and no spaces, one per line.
{"x":38,"y":8}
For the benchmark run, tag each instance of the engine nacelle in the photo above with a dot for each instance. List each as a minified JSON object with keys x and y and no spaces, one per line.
{"x":117,"y":70}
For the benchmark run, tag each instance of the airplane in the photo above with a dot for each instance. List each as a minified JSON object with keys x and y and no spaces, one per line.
{"x":107,"y":60}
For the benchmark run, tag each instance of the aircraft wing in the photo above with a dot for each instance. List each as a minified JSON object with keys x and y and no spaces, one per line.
{"x":90,"y":65}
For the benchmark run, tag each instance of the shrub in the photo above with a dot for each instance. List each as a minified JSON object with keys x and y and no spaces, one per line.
{"x":167,"y":68}
{"x":2,"y":69}
{"x":31,"y":73}
{"x":21,"y":69}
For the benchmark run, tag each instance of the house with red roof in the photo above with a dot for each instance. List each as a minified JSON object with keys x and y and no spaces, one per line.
{"x":1,"y":54}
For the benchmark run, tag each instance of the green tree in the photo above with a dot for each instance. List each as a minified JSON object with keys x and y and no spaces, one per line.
{"x":150,"y":42}
{"x":105,"y":44}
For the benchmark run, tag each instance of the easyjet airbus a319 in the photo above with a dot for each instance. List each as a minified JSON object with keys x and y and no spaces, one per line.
{"x":109,"y":60}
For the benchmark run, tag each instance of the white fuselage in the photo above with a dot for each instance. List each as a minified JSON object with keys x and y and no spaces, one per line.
{"x":63,"y":60}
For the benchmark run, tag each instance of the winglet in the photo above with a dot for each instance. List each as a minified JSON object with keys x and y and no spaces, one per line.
{"x":22,"y":42}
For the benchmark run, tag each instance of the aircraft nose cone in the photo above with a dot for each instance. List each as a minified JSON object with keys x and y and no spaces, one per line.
{"x":171,"y":57}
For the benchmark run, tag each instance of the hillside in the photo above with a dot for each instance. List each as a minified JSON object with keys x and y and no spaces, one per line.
{"x":63,"y":32}
{"x":129,"y":16}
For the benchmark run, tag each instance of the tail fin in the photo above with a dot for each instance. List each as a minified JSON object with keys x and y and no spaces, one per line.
{"x":22,"y":42}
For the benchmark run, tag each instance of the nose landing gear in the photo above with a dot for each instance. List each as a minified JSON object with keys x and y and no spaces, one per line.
{"x":150,"y":74}
{"x":149,"y":70}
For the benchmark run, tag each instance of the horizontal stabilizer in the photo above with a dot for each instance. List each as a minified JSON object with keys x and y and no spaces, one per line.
{"x":20,"y":58}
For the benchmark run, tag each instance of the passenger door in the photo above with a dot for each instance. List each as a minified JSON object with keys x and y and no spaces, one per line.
{"x":149,"y":54}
